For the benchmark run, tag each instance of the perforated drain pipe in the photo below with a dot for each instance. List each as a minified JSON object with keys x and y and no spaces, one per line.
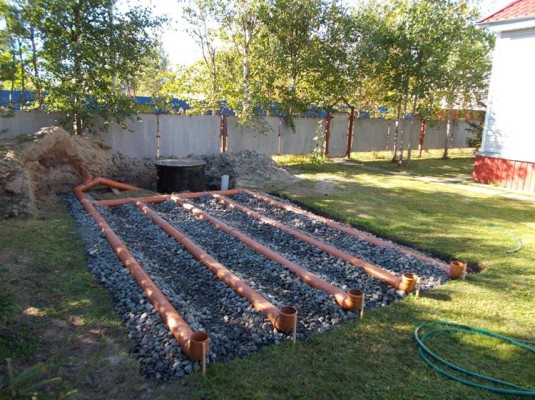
{"x":452,"y":272}
{"x":351,"y":301}
{"x":283,"y":319}
{"x":406,"y":282}
{"x":193,"y":344}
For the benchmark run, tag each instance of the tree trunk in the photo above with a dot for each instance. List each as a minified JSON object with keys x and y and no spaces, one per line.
{"x":409,"y":144}
{"x":402,"y":133}
{"x":22,"y":78}
{"x":113,"y":65}
{"x":13,"y":72}
{"x":37,"y":83}
{"x":396,"y":134}
{"x":448,"y":133}
{"x":78,"y":78}
{"x":214,"y":83}
{"x":423,"y":126}
{"x":388,"y":133}
{"x":245,"y":76}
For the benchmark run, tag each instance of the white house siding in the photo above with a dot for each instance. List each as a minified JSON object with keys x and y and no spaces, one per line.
{"x":509,"y":127}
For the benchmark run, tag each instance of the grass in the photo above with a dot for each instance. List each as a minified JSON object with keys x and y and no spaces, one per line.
{"x":374,"y":358}
{"x":64,"y":316}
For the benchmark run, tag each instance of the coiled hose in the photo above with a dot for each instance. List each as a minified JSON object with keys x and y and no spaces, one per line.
{"x":437,"y":362}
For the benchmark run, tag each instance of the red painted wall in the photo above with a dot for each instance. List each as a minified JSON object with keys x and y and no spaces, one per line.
{"x":516,"y":175}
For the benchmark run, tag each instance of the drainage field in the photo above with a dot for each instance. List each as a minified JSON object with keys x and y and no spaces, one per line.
{"x":205,"y":302}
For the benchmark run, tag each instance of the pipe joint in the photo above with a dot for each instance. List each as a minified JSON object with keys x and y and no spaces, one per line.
{"x":286,"y":320}
{"x":407,"y":282}
{"x":457,"y":269}
{"x":196,"y":346}
{"x":353,"y":300}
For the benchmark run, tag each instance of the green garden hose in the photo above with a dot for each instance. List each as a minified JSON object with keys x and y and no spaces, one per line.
{"x":438,"y":363}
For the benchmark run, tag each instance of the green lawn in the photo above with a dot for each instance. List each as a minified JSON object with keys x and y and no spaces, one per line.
{"x":459,"y":165}
{"x":375,"y":358}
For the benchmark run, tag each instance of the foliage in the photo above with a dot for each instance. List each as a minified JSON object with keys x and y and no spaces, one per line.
{"x":417,"y":54}
{"x":310,"y":46}
{"x":80,"y":52}
{"x":279,"y":56}
{"x":477,"y":130}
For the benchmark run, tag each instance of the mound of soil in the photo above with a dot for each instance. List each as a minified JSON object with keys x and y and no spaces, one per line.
{"x":50,"y":161}
{"x":53,"y":161}
{"x":246,"y":169}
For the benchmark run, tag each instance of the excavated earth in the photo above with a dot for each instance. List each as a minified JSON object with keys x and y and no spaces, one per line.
{"x":206,"y":303}
{"x":52,"y":161}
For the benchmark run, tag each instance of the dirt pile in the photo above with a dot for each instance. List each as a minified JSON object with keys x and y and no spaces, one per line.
{"x":246,"y":169}
{"x":50,"y":161}
{"x":53,"y":161}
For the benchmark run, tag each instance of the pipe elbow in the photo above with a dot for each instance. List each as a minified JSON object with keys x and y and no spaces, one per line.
{"x":286,"y":319}
{"x":457,"y":269}
{"x":195,"y":345}
{"x":353,"y":300}
{"x":407,"y":282}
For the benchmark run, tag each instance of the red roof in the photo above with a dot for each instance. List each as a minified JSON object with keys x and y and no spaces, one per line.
{"x":517,"y":9}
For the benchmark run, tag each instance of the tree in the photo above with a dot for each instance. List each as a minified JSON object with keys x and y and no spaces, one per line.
{"x":204,"y":27}
{"x":78,"y":51}
{"x":467,"y":69}
{"x":309,"y":46}
{"x":263,"y":52}
{"x":409,"y":45}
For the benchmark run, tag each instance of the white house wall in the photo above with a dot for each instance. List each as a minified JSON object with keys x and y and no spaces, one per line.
{"x":509,"y":127}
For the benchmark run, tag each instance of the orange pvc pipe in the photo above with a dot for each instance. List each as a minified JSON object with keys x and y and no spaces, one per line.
{"x":193,"y":344}
{"x":91,"y":182}
{"x":399,"y":283}
{"x":119,"y":202}
{"x":345,"y":300}
{"x":353,"y":232}
{"x":194,"y":195}
{"x":161,"y":197}
{"x":283,"y":319}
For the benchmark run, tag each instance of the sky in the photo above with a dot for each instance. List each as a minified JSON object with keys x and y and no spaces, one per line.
{"x":182,"y":49}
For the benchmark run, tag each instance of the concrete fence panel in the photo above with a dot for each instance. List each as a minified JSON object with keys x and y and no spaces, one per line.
{"x":181,"y":135}
{"x":339,"y":130}
{"x":242,"y":137}
{"x":20,"y":123}
{"x":184,"y":135}
{"x":461,"y":133}
{"x":138,"y":140}
{"x":372,"y":134}
{"x":435,"y":135}
{"x":300,"y":140}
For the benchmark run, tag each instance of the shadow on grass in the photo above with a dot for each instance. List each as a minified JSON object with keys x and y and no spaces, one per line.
{"x":377,"y":357}
{"x":374,"y":358}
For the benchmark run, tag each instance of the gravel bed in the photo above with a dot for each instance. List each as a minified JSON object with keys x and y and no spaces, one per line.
{"x":317,"y":311}
{"x":387,"y":258}
{"x":336,"y":272}
{"x":159,"y":356}
{"x":206,"y":303}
